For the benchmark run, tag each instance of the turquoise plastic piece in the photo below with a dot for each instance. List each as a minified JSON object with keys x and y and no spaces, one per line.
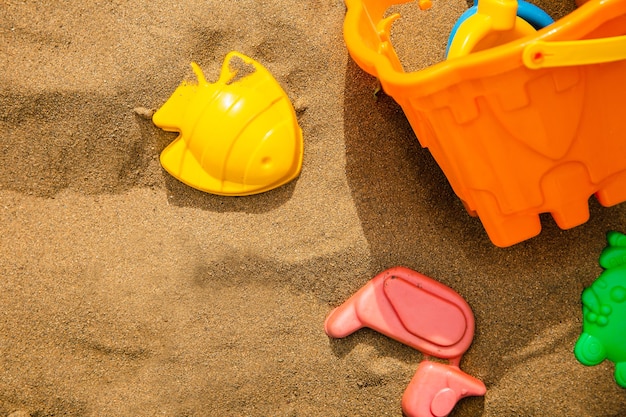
{"x":604,"y":311}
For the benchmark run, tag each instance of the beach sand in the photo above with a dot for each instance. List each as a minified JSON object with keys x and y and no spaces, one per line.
{"x":124,"y":292}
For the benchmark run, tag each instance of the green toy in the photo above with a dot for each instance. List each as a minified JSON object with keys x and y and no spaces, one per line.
{"x":604,"y":311}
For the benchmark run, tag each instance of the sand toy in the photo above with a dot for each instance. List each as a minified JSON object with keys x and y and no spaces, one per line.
{"x":238,"y":136}
{"x":604,"y":311}
{"x":527,"y":127}
{"x":495,"y":22}
{"x":426,"y":315}
{"x":495,"y":17}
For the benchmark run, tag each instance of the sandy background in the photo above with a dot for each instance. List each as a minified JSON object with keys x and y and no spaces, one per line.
{"x":126,"y":293}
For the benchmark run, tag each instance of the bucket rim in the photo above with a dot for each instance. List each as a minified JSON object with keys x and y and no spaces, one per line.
{"x":490,"y":62}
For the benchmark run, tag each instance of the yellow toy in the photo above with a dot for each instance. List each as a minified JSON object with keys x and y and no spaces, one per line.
{"x":495,"y":23}
{"x":238,"y":136}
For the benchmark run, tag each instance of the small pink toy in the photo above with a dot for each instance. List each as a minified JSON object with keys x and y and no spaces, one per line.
{"x":436,"y":388}
{"x":426,"y":315}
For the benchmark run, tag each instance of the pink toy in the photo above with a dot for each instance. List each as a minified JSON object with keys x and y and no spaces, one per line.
{"x":436,"y":388}
{"x":426,"y":315}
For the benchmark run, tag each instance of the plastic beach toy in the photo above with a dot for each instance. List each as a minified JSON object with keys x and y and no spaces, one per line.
{"x":238,"y":136}
{"x":495,"y":22}
{"x":528,"y":12}
{"x":604,"y":311}
{"x":410,"y":308}
{"x":531,"y":126}
{"x":435,"y":389}
{"x":426,"y":315}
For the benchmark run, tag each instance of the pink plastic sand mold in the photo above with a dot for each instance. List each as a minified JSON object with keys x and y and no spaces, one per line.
{"x":426,"y":315}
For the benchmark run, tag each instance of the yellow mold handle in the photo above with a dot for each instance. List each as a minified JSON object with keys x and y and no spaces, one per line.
{"x":229,"y":71}
{"x":546,"y":54}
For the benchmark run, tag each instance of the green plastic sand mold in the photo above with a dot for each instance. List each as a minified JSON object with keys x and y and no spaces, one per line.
{"x":604,"y":311}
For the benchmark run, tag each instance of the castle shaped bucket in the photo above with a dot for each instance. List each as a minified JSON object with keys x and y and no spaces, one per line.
{"x":532,"y":126}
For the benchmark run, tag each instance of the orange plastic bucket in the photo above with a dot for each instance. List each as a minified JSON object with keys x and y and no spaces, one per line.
{"x":532,"y":126}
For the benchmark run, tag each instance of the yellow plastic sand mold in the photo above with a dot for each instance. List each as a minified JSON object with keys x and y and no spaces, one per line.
{"x":238,"y":136}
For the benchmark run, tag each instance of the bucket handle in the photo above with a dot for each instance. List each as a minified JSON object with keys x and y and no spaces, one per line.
{"x":544,"y":54}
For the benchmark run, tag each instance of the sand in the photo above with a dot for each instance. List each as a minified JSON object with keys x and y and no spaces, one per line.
{"x":124,"y":292}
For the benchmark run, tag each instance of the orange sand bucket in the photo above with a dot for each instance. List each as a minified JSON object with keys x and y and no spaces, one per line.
{"x":528,"y":127}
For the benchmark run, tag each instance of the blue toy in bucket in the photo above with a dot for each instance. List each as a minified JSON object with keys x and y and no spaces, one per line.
{"x":532,"y":14}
